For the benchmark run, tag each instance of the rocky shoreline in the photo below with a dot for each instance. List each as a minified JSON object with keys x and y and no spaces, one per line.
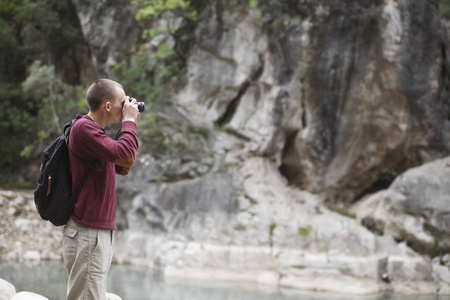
{"x":281,"y":236}
{"x":24,"y":238}
{"x":27,"y":238}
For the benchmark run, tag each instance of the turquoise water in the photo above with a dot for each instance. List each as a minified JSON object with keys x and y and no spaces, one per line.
{"x":134,"y":283}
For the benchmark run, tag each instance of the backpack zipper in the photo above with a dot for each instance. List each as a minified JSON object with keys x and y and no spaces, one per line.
{"x":49,"y":184}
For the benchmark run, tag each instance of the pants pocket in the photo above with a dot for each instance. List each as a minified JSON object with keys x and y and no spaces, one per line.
{"x":101,"y":255}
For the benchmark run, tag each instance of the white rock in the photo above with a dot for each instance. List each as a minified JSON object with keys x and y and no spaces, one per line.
{"x":392,"y":30}
{"x":12,"y":211}
{"x":22,"y":223}
{"x":7,"y":290}
{"x":402,"y":268}
{"x":444,"y":289}
{"x":446,"y":259}
{"x":28,"y":296}
{"x":340,"y":284}
{"x":32,"y":255}
{"x":20,"y":201}
{"x":110,"y":296}
{"x":414,"y":287}
{"x":441,"y":272}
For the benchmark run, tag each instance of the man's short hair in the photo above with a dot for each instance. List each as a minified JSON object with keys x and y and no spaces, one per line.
{"x":101,"y":91}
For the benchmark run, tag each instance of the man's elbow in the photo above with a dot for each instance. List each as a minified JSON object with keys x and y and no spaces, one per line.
{"x":122,"y":170}
{"x":127,"y":162}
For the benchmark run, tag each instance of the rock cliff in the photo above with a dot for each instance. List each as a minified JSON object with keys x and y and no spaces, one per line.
{"x":312,"y":105}
{"x":332,"y":92}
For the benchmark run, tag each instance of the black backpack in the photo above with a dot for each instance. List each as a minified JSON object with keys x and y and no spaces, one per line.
{"x":53,"y":191}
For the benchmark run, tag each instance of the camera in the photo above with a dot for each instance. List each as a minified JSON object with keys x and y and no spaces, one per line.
{"x":141,"y":105}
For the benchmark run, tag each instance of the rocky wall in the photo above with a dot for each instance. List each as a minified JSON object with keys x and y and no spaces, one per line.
{"x":311,"y":104}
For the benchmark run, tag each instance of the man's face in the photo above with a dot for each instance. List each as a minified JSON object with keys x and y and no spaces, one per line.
{"x":117,"y":105}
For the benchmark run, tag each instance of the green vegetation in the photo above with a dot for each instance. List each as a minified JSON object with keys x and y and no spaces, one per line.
{"x":149,"y":74}
{"x":272,"y":227}
{"x":386,"y":176}
{"x":436,"y":251}
{"x":378,"y":232}
{"x":444,"y":8}
{"x":174,"y":22}
{"x":389,"y":172}
{"x":152,"y":11}
{"x":253,"y":3}
{"x":304,"y":231}
{"x":35,"y":36}
{"x":346,"y":213}
{"x":137,"y":80}
{"x":56,"y":103}
{"x":174,"y":18}
{"x":165,"y":134}
{"x":318,"y":209}
{"x":40,"y":92}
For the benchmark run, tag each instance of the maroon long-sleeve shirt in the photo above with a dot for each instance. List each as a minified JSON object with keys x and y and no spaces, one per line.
{"x":96,"y":204}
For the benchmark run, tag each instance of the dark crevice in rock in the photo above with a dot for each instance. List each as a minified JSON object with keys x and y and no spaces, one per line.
{"x":383,"y":179}
{"x":304,"y":122}
{"x":443,"y":105}
{"x":232,"y":106}
{"x":290,"y":159}
{"x":378,"y":185}
{"x":238,"y":135}
{"x":234,"y":103}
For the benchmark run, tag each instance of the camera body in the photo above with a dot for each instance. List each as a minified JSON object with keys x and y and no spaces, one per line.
{"x":141,"y":105}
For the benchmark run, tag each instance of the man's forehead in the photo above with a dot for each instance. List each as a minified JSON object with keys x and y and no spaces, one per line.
{"x":120,"y":92}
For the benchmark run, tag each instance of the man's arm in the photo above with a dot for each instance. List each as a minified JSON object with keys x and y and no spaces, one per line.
{"x":104,"y":148}
{"x":130,"y":115}
{"x":121,"y":152}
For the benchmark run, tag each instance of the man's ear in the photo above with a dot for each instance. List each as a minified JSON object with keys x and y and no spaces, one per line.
{"x":108,"y":106}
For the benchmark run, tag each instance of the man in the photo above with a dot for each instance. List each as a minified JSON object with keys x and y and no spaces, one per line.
{"x":87,"y":236}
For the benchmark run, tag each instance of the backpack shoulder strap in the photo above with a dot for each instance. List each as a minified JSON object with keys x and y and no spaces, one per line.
{"x":66,"y":132}
{"x":83,"y":179}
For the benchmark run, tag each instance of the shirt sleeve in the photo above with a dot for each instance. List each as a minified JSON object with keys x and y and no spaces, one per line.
{"x":122,"y":152}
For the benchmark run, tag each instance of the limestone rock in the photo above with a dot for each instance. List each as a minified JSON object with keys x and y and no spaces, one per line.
{"x":406,"y":265}
{"x":441,"y":271}
{"x":425,"y":191}
{"x":332,"y":115}
{"x":415,"y":208}
{"x":7,"y":290}
{"x":169,"y":207}
{"x":285,"y":236}
{"x":110,"y":29}
{"x":275,"y":232}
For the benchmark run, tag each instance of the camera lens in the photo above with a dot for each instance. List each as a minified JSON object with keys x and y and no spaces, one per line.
{"x":141,"y":105}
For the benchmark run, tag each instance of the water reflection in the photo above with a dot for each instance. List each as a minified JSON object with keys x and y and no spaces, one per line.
{"x":134,"y":283}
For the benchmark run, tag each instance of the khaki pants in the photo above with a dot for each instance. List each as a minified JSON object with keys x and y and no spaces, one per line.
{"x":87,"y":254}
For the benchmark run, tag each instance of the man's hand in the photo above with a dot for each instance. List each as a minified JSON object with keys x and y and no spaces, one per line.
{"x":130,"y":111}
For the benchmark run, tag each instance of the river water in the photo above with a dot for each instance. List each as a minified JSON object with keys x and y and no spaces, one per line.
{"x":136,"y":283}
